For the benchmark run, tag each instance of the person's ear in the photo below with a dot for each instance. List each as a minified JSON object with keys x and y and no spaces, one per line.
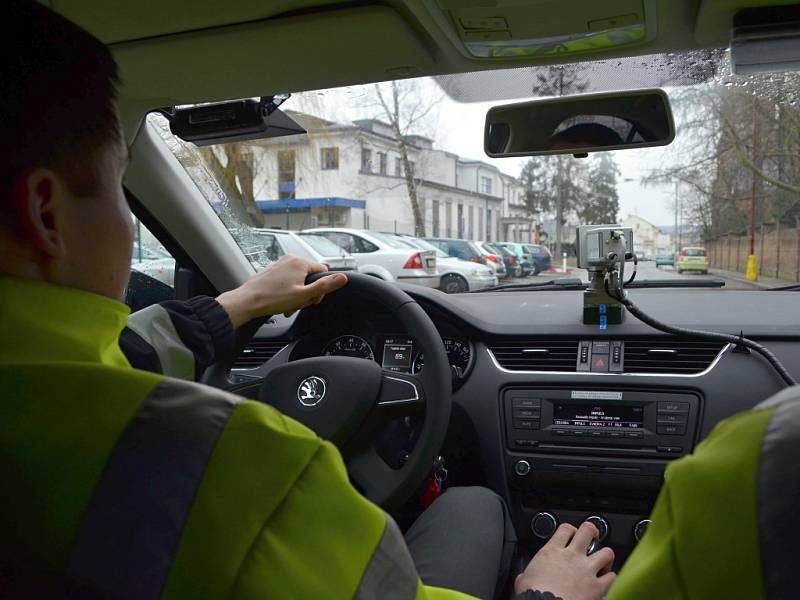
{"x":38,"y":197}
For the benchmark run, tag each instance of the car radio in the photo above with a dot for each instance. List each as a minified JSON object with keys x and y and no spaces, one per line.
{"x":628,"y":422}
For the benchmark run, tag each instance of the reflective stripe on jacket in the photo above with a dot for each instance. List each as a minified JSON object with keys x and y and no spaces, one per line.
{"x":727,"y":519}
{"x":129,"y":484}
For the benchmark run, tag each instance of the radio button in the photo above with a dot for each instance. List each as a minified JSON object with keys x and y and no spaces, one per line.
{"x":526,"y":402}
{"x":597,"y":434}
{"x":664,"y":418}
{"x":615,"y":435}
{"x":634,"y":435}
{"x":561,"y":432}
{"x":601,"y":524}
{"x":670,"y":449}
{"x":526,"y":424}
{"x":527,"y":413}
{"x":673,"y":407}
{"x":522,"y":467}
{"x":543,"y":525}
{"x":580,"y":433}
{"x":672,"y":429}
{"x":640,"y":529}
{"x":525,"y":443}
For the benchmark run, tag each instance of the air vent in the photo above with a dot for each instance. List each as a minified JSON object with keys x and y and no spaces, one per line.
{"x":669,"y":355}
{"x":257,"y":353}
{"x":534,"y":354}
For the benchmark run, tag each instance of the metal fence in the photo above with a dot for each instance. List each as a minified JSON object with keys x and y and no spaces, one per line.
{"x":777,"y":250}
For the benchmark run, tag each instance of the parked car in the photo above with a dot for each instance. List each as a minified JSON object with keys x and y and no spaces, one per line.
{"x":510,"y":260}
{"x":692,"y":258}
{"x":665,"y":260}
{"x":384,"y":256}
{"x":458,"y":275}
{"x":155,"y":262}
{"x":277,"y":242}
{"x":463,"y":249}
{"x":523,"y":256}
{"x":494,"y":259}
{"x":541,"y":257}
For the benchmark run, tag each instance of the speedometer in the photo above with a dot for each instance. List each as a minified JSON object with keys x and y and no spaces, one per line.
{"x":349,"y":345}
{"x":458,"y":354}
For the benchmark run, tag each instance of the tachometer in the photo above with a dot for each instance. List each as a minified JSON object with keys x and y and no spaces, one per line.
{"x":458,"y":353}
{"x":349,"y":345}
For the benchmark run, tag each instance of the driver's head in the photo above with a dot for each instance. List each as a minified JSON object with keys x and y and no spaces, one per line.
{"x":63,"y":215}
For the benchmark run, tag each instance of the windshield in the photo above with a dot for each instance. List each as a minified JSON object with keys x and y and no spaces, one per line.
{"x":407,"y":157}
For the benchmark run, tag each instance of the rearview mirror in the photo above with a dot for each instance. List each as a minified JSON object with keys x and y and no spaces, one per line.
{"x":580,"y":124}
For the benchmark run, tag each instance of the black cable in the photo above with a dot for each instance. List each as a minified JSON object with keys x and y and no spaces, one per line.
{"x":704,"y":335}
{"x":635,"y":266}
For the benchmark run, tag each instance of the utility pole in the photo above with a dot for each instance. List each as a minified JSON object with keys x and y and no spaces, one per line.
{"x":675,"y":241}
{"x":752,"y":263}
{"x":559,"y":207}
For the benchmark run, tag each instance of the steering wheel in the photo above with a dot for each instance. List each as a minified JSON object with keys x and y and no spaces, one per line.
{"x":349,"y":400}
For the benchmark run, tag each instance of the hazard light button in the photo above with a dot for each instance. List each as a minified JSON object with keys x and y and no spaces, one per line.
{"x":600,"y":364}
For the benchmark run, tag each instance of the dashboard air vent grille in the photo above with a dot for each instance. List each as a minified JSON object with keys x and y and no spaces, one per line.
{"x":257,"y":352}
{"x":669,"y":355}
{"x":533,"y":354}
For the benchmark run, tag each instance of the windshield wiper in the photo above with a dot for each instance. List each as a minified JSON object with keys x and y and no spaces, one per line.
{"x":676,"y":283}
{"x":795,"y":287}
{"x":571,"y":283}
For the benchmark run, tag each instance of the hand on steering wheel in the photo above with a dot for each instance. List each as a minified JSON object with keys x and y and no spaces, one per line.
{"x":349,"y":400}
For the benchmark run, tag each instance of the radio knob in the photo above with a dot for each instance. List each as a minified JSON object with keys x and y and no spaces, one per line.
{"x":641,"y":528}
{"x":543,"y":525}
{"x":601,"y":524}
{"x":522,"y":467}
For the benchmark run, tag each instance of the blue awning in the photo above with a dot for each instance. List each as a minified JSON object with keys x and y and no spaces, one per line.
{"x":306,"y":204}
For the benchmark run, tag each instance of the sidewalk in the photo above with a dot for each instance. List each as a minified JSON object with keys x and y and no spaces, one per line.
{"x":763,"y":283}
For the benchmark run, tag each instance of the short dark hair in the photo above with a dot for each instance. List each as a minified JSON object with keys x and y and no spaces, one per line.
{"x":57,"y":98}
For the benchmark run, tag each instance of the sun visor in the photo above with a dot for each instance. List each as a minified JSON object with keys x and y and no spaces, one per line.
{"x":511,"y":29}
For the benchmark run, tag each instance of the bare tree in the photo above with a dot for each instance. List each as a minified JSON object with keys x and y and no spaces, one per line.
{"x":405,"y":106}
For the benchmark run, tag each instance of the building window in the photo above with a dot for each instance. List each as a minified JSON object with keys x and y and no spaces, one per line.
{"x":366,"y":160}
{"x":486,"y":185}
{"x":412,"y":167}
{"x":329,"y":158}
{"x":398,"y":167}
{"x":435,"y":217}
{"x":382,"y":162}
{"x":286,"y":183}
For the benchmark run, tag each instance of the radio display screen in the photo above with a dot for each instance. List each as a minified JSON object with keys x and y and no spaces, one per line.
{"x":594,"y":415}
{"x":397,"y":354}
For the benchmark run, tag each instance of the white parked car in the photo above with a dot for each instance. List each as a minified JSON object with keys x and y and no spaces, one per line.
{"x":155,"y":262}
{"x":385,"y":256}
{"x":458,"y":275}
{"x":277,"y":242}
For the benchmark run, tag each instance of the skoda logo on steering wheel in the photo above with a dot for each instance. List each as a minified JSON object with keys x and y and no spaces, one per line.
{"x":311,"y":391}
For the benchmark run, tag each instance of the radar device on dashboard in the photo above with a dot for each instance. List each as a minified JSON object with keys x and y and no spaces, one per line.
{"x":603,"y":251}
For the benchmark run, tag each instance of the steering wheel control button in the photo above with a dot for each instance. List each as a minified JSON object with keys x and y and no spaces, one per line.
{"x":522,"y":467}
{"x":395,"y":390}
{"x":543,"y":525}
{"x":601,"y":524}
{"x":640,"y":529}
{"x":311,"y":391}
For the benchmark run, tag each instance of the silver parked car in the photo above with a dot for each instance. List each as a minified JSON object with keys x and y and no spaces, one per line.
{"x":494,"y":259}
{"x":458,"y":275}
{"x":385,"y":256}
{"x":277,"y":242}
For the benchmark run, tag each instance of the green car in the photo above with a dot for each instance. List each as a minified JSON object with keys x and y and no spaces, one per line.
{"x":665,"y":260}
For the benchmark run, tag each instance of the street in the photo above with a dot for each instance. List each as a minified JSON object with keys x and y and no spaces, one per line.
{"x":645,"y":270}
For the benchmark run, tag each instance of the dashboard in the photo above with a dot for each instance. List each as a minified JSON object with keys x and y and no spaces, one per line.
{"x":566,"y":421}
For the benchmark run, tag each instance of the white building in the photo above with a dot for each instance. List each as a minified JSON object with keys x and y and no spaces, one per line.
{"x":351,"y":175}
{"x":648,"y":240}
